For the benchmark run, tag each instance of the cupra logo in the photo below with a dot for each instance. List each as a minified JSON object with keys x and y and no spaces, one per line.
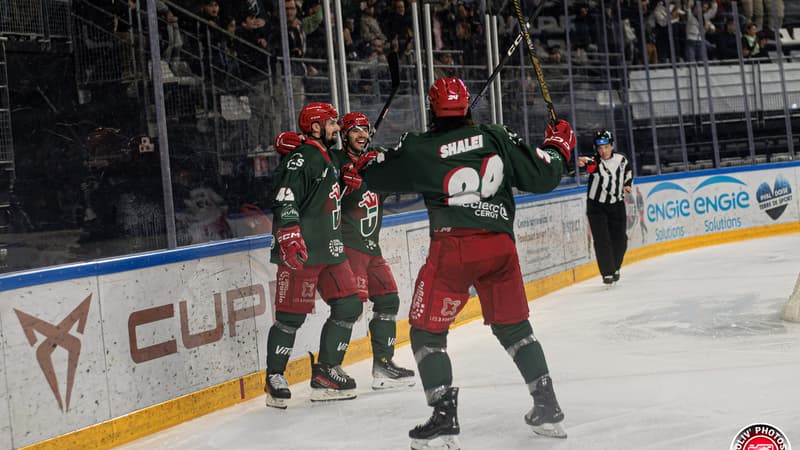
{"x":57,"y":336}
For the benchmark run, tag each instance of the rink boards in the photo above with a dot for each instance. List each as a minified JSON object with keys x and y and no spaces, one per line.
{"x":97,"y":354}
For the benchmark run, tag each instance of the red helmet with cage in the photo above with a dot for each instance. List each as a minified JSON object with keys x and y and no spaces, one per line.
{"x":353,"y":119}
{"x":449,"y":98}
{"x":315,"y":112}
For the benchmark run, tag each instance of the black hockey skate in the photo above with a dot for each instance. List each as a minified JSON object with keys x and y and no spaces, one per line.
{"x":277,"y":389}
{"x":608,"y":280}
{"x":616,"y":276}
{"x":440,"y":431}
{"x":330,"y":382}
{"x":386,"y":375}
{"x":545,"y":415}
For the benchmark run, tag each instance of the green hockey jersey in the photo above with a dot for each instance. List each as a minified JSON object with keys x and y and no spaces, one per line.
{"x":306,"y":191}
{"x":466,"y":175}
{"x":362,"y":213}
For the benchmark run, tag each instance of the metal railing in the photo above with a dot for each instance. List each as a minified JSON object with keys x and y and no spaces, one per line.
{"x":42,"y":19}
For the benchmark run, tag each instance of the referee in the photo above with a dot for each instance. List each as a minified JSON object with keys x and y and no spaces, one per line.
{"x":610,"y":178}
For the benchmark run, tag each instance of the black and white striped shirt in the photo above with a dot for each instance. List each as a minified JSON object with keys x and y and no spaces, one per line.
{"x":608,"y":178}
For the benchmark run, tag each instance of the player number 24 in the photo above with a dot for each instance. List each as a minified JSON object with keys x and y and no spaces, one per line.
{"x":464,"y":185}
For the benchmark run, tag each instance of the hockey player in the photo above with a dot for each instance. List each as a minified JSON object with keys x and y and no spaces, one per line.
{"x":310,"y":258}
{"x":465,"y":173}
{"x":610,"y":178}
{"x":362,"y":213}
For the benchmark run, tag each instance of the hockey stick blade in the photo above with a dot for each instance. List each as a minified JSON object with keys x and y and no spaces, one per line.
{"x":537,"y":67}
{"x":394,"y":72}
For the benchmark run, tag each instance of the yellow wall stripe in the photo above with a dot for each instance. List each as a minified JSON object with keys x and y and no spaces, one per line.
{"x":172,"y":412}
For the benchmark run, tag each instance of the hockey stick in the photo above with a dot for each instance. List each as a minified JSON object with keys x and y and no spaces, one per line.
{"x":496,"y":70}
{"x":394,"y":73}
{"x":507,"y":56}
{"x":537,"y":68}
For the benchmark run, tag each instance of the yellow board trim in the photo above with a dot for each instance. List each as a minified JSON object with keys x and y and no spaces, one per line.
{"x":154,"y":418}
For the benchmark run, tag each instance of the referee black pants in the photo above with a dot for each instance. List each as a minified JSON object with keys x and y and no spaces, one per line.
{"x":608,"y":224}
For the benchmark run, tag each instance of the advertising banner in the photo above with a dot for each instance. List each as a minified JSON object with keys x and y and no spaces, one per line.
{"x":177,"y":328}
{"x":686,"y":207}
{"x":551,"y":235}
{"x":58,"y":381}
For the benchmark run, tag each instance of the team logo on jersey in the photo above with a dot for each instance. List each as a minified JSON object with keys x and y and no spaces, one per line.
{"x":336,"y":211}
{"x":336,"y":247}
{"x":760,"y":436}
{"x":295,"y":161}
{"x":461,"y":146}
{"x":774,"y":200}
{"x":369,"y":201}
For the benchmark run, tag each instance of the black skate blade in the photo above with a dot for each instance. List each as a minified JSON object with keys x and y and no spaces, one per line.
{"x":553,"y":430}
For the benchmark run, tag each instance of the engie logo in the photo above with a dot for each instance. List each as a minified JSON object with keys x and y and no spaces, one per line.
{"x":57,"y":336}
{"x":760,"y":436}
{"x":711,"y":198}
{"x":719,"y":199}
{"x":774,"y":201}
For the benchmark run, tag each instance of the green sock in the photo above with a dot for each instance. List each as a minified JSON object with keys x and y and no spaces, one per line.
{"x":527,"y":352}
{"x":279,"y":348}
{"x":382,"y":335}
{"x":334,"y":340}
{"x":383,"y":326}
{"x":435,"y":368}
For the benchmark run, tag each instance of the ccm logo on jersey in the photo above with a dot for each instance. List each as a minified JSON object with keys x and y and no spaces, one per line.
{"x":461,"y":146}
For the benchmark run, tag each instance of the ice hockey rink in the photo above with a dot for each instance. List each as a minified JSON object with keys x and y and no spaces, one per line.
{"x":685,"y":351}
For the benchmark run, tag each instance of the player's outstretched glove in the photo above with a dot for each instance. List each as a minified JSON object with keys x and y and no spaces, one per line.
{"x":560,"y":137}
{"x":288,"y":141}
{"x":351,"y":178}
{"x":368,"y":158}
{"x":293,"y":248}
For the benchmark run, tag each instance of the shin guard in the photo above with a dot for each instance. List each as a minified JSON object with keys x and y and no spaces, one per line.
{"x":280,"y":340}
{"x":524,"y":349}
{"x":383,"y":326}
{"x":335,"y":336}
{"x":435,"y":369}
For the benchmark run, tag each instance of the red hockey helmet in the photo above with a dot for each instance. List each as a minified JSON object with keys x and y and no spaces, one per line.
{"x":353,"y":119}
{"x":315,"y":112}
{"x":449,"y":98}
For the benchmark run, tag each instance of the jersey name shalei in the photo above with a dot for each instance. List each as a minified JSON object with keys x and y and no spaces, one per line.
{"x":461,"y":146}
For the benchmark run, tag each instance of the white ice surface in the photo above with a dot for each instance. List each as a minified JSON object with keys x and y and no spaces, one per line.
{"x":683,"y":352}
